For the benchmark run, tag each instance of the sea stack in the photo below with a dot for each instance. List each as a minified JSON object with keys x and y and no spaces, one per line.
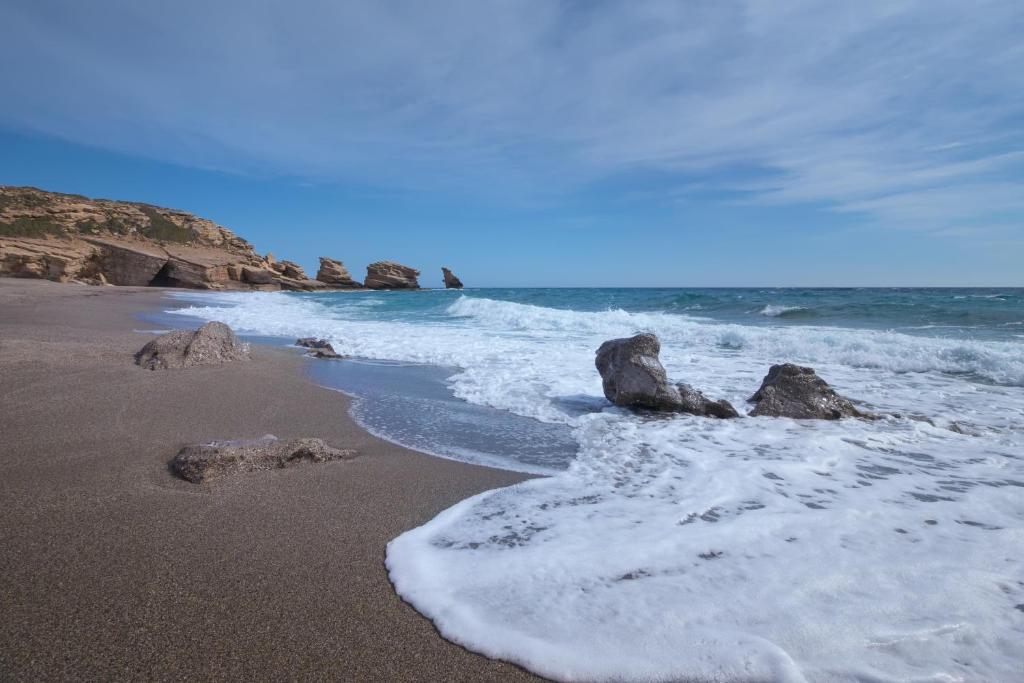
{"x":391,"y":275}
{"x":335,"y":274}
{"x":451,"y":281}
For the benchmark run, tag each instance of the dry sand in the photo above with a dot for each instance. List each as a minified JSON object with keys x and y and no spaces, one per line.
{"x":111,"y":568}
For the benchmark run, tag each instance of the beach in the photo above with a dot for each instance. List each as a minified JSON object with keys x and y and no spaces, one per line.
{"x":114,"y":569}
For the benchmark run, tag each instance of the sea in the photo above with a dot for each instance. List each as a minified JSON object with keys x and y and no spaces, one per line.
{"x":679,"y":548}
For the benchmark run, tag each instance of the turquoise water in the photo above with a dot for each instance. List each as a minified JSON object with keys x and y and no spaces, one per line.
{"x":961,"y":313}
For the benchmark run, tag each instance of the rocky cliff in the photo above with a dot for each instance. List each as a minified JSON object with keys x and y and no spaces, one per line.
{"x":335,"y":273}
{"x":67,"y":237}
{"x":391,"y":275}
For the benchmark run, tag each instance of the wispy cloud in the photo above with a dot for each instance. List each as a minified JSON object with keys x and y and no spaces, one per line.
{"x":910,"y":113}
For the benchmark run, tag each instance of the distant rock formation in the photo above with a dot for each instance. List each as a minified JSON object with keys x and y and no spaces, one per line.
{"x":633,"y":376}
{"x":212,"y":344}
{"x":391,"y":275}
{"x":205,"y":462}
{"x":450,"y":279}
{"x":335,"y":274}
{"x":69,"y":238}
{"x":793,"y":391}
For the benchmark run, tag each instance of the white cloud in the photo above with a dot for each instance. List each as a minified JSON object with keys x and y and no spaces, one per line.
{"x":908,"y":112}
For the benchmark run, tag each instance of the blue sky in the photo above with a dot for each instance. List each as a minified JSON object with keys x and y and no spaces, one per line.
{"x":545,"y":143}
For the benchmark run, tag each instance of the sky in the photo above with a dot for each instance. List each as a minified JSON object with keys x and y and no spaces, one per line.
{"x":546,"y":143}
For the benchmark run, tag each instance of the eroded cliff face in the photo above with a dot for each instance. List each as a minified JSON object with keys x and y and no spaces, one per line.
{"x":67,"y":238}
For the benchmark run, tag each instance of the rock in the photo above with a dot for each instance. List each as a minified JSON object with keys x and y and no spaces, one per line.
{"x":633,"y":376}
{"x":201,"y":463}
{"x":292,"y":270}
{"x":696,"y":403}
{"x":130,"y":263}
{"x":319,"y":348}
{"x":391,"y":275}
{"x":450,"y":280}
{"x":258,"y":276}
{"x":50,"y":259}
{"x":793,"y":391}
{"x":212,"y":344}
{"x":335,"y":273}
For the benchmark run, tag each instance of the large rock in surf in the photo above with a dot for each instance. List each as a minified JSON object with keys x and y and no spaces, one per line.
{"x":391,"y":275}
{"x":633,"y":376}
{"x":212,"y":344}
{"x":204,"y":462}
{"x":794,"y":391}
{"x":335,"y":273}
{"x":451,"y":281}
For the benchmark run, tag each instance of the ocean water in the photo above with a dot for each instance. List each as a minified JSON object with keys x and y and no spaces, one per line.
{"x":683,"y":548}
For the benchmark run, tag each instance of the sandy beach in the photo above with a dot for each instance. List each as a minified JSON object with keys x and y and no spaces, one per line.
{"x":113,"y":569}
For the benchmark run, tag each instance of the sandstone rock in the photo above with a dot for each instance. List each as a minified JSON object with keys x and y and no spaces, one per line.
{"x":201,"y":463}
{"x":391,"y":275}
{"x":212,"y":344}
{"x":51,"y":259}
{"x":292,"y":270}
{"x":130,"y":263}
{"x":793,"y":391}
{"x":335,"y":273}
{"x":450,"y":280}
{"x":633,"y":376}
{"x":258,"y":276}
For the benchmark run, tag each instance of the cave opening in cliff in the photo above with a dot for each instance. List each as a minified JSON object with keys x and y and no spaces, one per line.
{"x":163,"y":278}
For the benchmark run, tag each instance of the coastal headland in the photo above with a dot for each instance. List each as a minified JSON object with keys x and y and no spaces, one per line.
{"x":115,"y":569}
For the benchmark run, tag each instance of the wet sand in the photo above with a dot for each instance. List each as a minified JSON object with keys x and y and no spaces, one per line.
{"x":113,"y":569}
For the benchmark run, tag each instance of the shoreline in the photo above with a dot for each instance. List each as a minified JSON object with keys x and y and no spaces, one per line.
{"x":115,"y":569}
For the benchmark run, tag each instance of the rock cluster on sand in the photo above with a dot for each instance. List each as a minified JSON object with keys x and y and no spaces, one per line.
{"x":69,"y":238}
{"x":633,"y":376}
{"x":793,"y":391}
{"x":450,"y":279}
{"x":319,"y":348}
{"x":335,"y":273}
{"x":204,"y":462}
{"x":212,"y":344}
{"x":391,"y":275}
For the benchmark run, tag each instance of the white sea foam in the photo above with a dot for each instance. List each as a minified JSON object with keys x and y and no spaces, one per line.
{"x":685,"y":548}
{"x":775,"y":311}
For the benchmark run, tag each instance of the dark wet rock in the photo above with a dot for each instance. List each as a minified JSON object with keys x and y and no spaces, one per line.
{"x":633,"y":376}
{"x":319,"y":348}
{"x":200,"y":463}
{"x":391,"y":275}
{"x":212,"y":344}
{"x":451,"y":281}
{"x":696,"y":403}
{"x":794,"y":391}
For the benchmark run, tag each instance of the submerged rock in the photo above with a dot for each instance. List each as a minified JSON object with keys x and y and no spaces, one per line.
{"x":451,"y":281}
{"x":212,"y":344}
{"x":633,"y":376}
{"x":391,"y":275}
{"x":200,"y":463}
{"x":794,"y":391}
